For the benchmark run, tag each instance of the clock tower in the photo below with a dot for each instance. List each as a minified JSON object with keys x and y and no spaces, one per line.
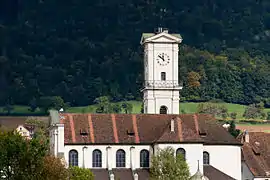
{"x":161,"y":86}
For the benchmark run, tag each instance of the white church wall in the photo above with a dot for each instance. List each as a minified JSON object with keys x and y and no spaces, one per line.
{"x":225,"y":158}
{"x":103,"y":148}
{"x":154,"y":99}
{"x":194,"y":152}
{"x":246,"y":173}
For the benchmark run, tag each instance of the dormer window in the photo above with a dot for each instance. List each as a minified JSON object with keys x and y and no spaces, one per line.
{"x":83,"y":132}
{"x":130,"y":133}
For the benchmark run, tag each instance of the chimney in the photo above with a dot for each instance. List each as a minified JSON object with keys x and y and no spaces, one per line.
{"x":172,"y":125}
{"x":160,"y":30}
{"x":246,"y":136}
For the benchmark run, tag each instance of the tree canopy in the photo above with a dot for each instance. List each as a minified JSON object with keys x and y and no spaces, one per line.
{"x":166,"y":166}
{"x":81,"y":50}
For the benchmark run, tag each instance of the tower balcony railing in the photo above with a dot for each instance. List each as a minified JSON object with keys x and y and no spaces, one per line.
{"x":163,"y":84}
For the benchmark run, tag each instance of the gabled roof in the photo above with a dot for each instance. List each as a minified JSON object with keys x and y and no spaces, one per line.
{"x":143,"y":129}
{"x":256,"y":153}
{"x":12,"y":122}
{"x":215,"y":174}
{"x":155,"y":37}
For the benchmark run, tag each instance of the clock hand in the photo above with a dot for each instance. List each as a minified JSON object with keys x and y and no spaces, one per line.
{"x":161,"y":57}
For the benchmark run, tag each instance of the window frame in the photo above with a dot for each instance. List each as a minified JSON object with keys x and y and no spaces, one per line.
{"x":144,"y":158}
{"x":163,"y":76}
{"x":181,"y":151}
{"x":97,"y":158}
{"x":120,"y":158}
{"x":73,"y":158}
{"x":206,"y":158}
{"x":163,"y":108}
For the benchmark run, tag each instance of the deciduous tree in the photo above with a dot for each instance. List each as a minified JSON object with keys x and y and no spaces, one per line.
{"x":77,"y":173}
{"x":166,"y":166}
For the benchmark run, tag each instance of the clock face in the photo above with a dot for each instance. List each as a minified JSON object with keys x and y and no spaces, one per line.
{"x":163,"y":59}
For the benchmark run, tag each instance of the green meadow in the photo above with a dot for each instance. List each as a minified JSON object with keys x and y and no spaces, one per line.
{"x":185,"y":107}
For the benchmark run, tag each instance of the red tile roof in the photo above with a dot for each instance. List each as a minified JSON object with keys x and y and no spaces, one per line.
{"x":256,"y":153}
{"x":143,"y":129}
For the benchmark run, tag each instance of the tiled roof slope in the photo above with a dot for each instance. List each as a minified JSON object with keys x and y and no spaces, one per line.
{"x":256,"y":153}
{"x":214,"y":174}
{"x":12,"y":122}
{"x":143,"y":129}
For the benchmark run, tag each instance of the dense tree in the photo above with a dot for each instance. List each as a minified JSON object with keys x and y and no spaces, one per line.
{"x":233,"y":115}
{"x":20,"y":158}
{"x":76,"y":173}
{"x":232,"y":129}
{"x":80,"y":51}
{"x":53,"y":169}
{"x":252,"y":112}
{"x":214,"y":109}
{"x":166,"y":166}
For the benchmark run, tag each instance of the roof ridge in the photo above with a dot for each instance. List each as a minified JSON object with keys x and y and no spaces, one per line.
{"x":163,"y":132}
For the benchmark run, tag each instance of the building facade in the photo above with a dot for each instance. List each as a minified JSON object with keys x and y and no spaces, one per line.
{"x":122,"y":145}
{"x":161,"y":84}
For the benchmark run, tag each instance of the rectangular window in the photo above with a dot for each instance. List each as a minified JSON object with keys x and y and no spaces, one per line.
{"x":163,"y":76}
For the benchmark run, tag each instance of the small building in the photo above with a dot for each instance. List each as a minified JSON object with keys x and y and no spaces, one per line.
{"x":255,"y":155}
{"x":26,"y":130}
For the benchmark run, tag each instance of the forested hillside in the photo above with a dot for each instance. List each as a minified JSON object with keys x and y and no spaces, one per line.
{"x":81,"y":49}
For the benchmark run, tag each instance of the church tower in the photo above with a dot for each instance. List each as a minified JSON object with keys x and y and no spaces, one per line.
{"x":161,"y":86}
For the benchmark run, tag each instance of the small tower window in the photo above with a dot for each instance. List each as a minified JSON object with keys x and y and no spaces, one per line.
{"x":163,"y":76}
{"x":206,"y":158}
{"x":163,"y":110}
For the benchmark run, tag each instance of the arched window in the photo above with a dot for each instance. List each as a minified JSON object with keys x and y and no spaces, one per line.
{"x":144,"y":158}
{"x":73,"y":158}
{"x":120,"y":158}
{"x":97,"y":158}
{"x":206,"y":158}
{"x":163,"y":110}
{"x":182,"y":152}
{"x":163,"y":76}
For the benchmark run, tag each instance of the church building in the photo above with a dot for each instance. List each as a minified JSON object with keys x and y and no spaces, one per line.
{"x":120,"y":146}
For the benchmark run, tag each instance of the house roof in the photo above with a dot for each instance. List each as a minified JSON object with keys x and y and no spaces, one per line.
{"x":153,"y":37}
{"x":123,"y":173}
{"x":143,"y":129}
{"x":212,"y":173}
{"x":256,"y":153}
{"x":209,"y":171}
{"x":148,"y":35}
{"x":12,"y":122}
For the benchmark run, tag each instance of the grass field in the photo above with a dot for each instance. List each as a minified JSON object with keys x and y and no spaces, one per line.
{"x":184,"y":107}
